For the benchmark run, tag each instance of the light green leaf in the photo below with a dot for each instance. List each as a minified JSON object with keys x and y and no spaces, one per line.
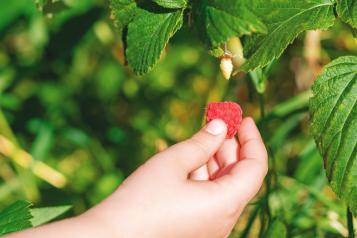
{"x":46,"y":214}
{"x":259,"y":77}
{"x":122,"y":12}
{"x":347,"y":10}
{"x":218,"y":20}
{"x":171,"y":3}
{"x":334,"y":125}
{"x":276,"y":229}
{"x":285,"y":20}
{"x":15,"y":217}
{"x":148,"y":34}
{"x":216,"y":52}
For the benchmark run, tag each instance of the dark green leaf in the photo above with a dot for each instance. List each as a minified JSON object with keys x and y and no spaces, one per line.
{"x":15,"y":217}
{"x":334,"y":111}
{"x":148,"y":34}
{"x":46,"y":214}
{"x":123,"y":12}
{"x":218,"y":20}
{"x":347,"y":10}
{"x":285,"y":20}
{"x":171,"y":3}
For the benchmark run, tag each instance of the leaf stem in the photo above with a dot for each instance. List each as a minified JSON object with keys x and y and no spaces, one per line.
{"x":351,"y":231}
{"x":266,"y":207}
{"x":262,"y":106}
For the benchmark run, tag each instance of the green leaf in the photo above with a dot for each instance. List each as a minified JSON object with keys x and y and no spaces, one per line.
{"x":334,"y":125}
{"x":277,"y":229}
{"x":218,"y":20}
{"x":216,"y":52}
{"x":285,"y":20}
{"x":15,"y":217}
{"x":347,"y":10}
{"x":171,"y":3}
{"x":122,"y":12}
{"x":46,"y":214}
{"x":259,"y":77}
{"x":148,"y":34}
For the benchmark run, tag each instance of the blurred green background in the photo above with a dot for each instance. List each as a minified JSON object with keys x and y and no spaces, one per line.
{"x":74,"y":121}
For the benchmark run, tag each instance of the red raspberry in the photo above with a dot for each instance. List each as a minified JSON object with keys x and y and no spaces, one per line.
{"x":229,"y":112}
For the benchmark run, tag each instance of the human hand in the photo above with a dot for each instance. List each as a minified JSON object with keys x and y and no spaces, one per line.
{"x":196,"y":188}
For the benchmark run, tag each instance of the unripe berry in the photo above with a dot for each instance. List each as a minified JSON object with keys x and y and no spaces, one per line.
{"x":226,"y":66}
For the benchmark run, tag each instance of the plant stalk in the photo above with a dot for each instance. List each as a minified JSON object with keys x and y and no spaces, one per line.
{"x":266,"y":207}
{"x":351,"y":231}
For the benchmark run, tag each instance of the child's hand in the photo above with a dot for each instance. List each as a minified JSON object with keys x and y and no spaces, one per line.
{"x":196,"y":188}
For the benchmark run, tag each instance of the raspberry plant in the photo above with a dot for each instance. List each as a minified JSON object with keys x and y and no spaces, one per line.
{"x":266,"y":28}
{"x":60,"y":68}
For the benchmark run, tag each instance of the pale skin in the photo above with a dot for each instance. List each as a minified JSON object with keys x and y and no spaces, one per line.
{"x":196,"y":188}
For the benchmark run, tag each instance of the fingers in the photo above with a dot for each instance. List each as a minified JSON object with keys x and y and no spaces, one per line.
{"x":196,"y":151}
{"x":246,"y":177}
{"x":213,"y":167}
{"x":200,"y":174}
{"x":251,"y":142}
{"x":227,"y":153}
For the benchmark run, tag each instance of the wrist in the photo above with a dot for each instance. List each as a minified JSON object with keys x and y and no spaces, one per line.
{"x":100,"y":223}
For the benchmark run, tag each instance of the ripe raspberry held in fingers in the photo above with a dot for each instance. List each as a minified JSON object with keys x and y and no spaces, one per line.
{"x":230,"y":112}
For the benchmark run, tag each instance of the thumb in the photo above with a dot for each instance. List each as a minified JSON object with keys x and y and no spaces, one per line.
{"x":196,"y":151}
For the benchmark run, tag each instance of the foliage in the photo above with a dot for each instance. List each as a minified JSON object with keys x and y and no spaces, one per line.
{"x":19,"y":216}
{"x":347,"y":10}
{"x":334,"y":125}
{"x":285,"y":20}
{"x":276,"y":230}
{"x":145,"y":44}
{"x":75,"y":121}
{"x":45,"y":214}
{"x":217,"y":20}
{"x":15,"y":217}
{"x":277,"y":22}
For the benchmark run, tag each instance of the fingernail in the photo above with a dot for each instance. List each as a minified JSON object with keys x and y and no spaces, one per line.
{"x":215,"y":127}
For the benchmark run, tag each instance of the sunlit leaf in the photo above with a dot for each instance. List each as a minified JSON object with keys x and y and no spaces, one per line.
{"x":334,"y":111}
{"x":46,"y":214}
{"x":347,"y":10}
{"x":285,"y":20}
{"x":148,"y":34}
